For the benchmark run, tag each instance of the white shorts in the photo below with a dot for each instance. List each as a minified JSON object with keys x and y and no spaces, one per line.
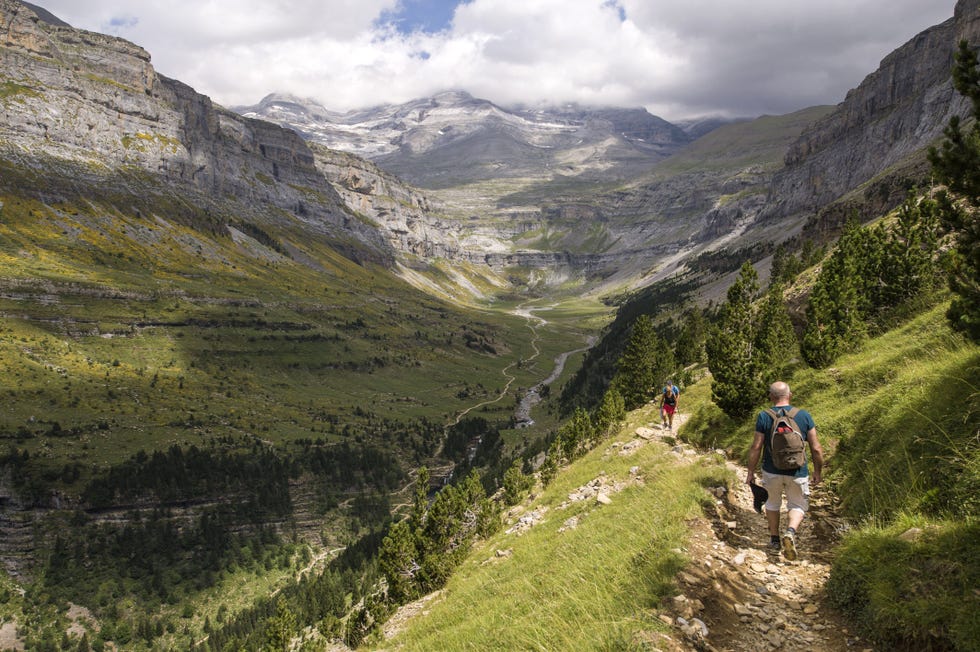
{"x":797,"y":491}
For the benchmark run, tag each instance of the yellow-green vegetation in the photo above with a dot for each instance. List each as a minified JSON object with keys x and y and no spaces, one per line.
{"x":590,"y":586}
{"x":761,"y":142}
{"x":135,"y":348}
{"x":899,"y":421}
{"x":912,"y":584}
{"x":150,"y":327}
{"x":140,"y":141}
{"x":10,"y":89}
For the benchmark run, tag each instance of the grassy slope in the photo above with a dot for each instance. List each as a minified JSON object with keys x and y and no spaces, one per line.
{"x":121,"y":333}
{"x":899,"y":417}
{"x":146,"y":332}
{"x":760,"y":142}
{"x":892,"y":416}
{"x":591,"y":587}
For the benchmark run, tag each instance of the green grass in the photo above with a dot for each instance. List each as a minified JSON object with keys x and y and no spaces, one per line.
{"x":898,"y":419}
{"x":912,"y":585}
{"x":761,"y":142}
{"x":125,"y":331}
{"x":592,"y":587}
{"x":144,"y":332}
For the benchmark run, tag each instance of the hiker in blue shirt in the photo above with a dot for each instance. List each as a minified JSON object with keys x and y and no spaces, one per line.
{"x":795,"y":484}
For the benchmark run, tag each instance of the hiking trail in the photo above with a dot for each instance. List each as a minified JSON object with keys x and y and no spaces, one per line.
{"x":737,"y":595}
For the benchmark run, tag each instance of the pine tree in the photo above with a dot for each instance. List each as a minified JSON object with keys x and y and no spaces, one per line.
{"x":577,"y":434}
{"x":689,"y":345}
{"x":611,"y":411}
{"x":635,"y":374}
{"x":280,"y":628}
{"x":785,"y":266}
{"x":516,"y":483}
{"x":421,"y":501}
{"x":910,"y":247}
{"x":838,"y":302}
{"x":775,"y":339}
{"x":958,"y":165}
{"x":549,"y":470}
{"x":734,"y":386}
{"x":398,"y":560}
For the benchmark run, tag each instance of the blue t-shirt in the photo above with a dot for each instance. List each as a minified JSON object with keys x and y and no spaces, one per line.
{"x":763,"y":424}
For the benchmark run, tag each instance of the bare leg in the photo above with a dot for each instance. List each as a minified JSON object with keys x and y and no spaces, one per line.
{"x":773,"y":519}
{"x":795,"y":519}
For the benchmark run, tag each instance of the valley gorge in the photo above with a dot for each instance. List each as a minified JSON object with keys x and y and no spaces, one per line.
{"x":231,"y":332}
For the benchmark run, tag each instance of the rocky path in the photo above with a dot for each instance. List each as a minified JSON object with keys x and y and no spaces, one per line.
{"x":740,"y":596}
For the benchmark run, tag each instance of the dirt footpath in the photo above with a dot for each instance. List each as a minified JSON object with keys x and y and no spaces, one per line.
{"x":740,"y":596}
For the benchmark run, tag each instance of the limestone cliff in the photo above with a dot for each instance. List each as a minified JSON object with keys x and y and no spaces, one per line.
{"x":880,"y":130}
{"x":90,"y":116}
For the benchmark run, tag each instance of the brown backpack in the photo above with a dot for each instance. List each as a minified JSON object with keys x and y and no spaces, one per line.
{"x":786,"y":441}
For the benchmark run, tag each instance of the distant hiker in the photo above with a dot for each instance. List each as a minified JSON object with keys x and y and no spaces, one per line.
{"x":668,"y":405}
{"x":794,"y":483}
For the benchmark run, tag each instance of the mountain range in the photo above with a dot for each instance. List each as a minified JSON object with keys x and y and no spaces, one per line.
{"x":598,"y":199}
{"x":297,"y":308}
{"x":619,"y":197}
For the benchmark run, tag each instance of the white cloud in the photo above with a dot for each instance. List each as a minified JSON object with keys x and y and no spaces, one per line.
{"x":676,"y":57}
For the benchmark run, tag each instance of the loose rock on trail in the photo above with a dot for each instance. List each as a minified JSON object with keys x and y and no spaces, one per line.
{"x":737,"y":595}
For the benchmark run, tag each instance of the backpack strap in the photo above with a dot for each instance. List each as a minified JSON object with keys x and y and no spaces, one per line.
{"x":791,"y":413}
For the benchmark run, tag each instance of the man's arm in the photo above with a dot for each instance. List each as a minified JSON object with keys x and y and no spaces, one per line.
{"x":754,"y":454}
{"x":816,"y":451}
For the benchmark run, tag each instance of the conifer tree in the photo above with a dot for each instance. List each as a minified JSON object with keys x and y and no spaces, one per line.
{"x":689,"y":345}
{"x":957,"y":164}
{"x":280,"y":628}
{"x":734,"y":387}
{"x":910,"y":247}
{"x":838,"y":302}
{"x":516,"y":483}
{"x":549,"y":470}
{"x":785,"y":266}
{"x":610,"y":411}
{"x":398,"y":560}
{"x":775,"y":339}
{"x":421,"y":501}
{"x":635,"y":374}
{"x":578,"y":434}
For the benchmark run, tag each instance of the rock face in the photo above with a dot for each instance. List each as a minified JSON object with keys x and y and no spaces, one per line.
{"x":509,"y":190}
{"x":87,"y":111}
{"x":405,"y":216}
{"x":885,"y":122}
{"x":736,"y":185}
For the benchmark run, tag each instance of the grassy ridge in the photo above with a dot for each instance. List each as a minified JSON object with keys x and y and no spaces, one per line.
{"x":591,"y":587}
{"x":899,"y":419}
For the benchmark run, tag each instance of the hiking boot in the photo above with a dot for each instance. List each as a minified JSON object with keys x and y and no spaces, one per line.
{"x":774,"y":545}
{"x":789,"y":545}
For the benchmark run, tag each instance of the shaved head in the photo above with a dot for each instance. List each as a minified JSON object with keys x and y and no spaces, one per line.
{"x":779,"y":389}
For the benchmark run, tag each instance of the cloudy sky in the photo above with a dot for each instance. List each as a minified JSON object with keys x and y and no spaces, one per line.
{"x":677,"y":58}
